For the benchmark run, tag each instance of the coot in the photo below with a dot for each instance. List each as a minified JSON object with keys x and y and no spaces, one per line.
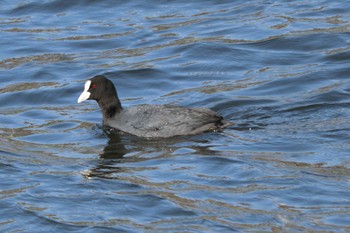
{"x":149,"y":120}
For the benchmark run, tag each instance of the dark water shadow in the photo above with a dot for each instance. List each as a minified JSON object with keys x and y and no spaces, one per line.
{"x":124,"y":152}
{"x":112,"y":154}
{"x":114,"y":149}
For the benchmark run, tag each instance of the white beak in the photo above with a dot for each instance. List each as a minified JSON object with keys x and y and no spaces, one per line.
{"x":85,"y":95}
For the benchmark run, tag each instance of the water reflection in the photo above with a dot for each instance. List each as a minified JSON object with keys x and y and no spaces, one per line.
{"x":125,"y":153}
{"x":279,"y":71}
{"x":114,"y":149}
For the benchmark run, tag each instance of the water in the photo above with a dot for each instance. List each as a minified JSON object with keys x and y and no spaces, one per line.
{"x":278,"y":69}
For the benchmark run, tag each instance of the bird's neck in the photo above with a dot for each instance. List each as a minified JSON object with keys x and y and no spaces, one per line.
{"x":110,"y":107}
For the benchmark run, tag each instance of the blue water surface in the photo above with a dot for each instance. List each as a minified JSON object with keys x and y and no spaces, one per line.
{"x":279,"y":70}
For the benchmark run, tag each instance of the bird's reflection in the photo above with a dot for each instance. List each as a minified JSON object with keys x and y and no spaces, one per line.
{"x":123,"y":148}
{"x":115,"y":148}
{"x":113,"y":153}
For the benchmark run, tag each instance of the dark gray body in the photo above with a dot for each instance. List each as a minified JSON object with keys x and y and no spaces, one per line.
{"x":150,"y":121}
{"x":165,"y":120}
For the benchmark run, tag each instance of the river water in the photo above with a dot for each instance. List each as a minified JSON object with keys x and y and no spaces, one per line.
{"x":278,"y":69}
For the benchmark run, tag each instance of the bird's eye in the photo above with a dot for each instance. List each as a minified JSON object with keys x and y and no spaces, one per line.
{"x":93,"y":86}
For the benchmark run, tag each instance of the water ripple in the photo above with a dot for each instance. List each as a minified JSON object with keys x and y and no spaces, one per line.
{"x":277,"y":70}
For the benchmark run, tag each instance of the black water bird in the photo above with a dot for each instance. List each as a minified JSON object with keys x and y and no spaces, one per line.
{"x":149,"y":120}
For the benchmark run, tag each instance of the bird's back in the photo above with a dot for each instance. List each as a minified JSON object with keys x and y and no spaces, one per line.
{"x":165,"y":120}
